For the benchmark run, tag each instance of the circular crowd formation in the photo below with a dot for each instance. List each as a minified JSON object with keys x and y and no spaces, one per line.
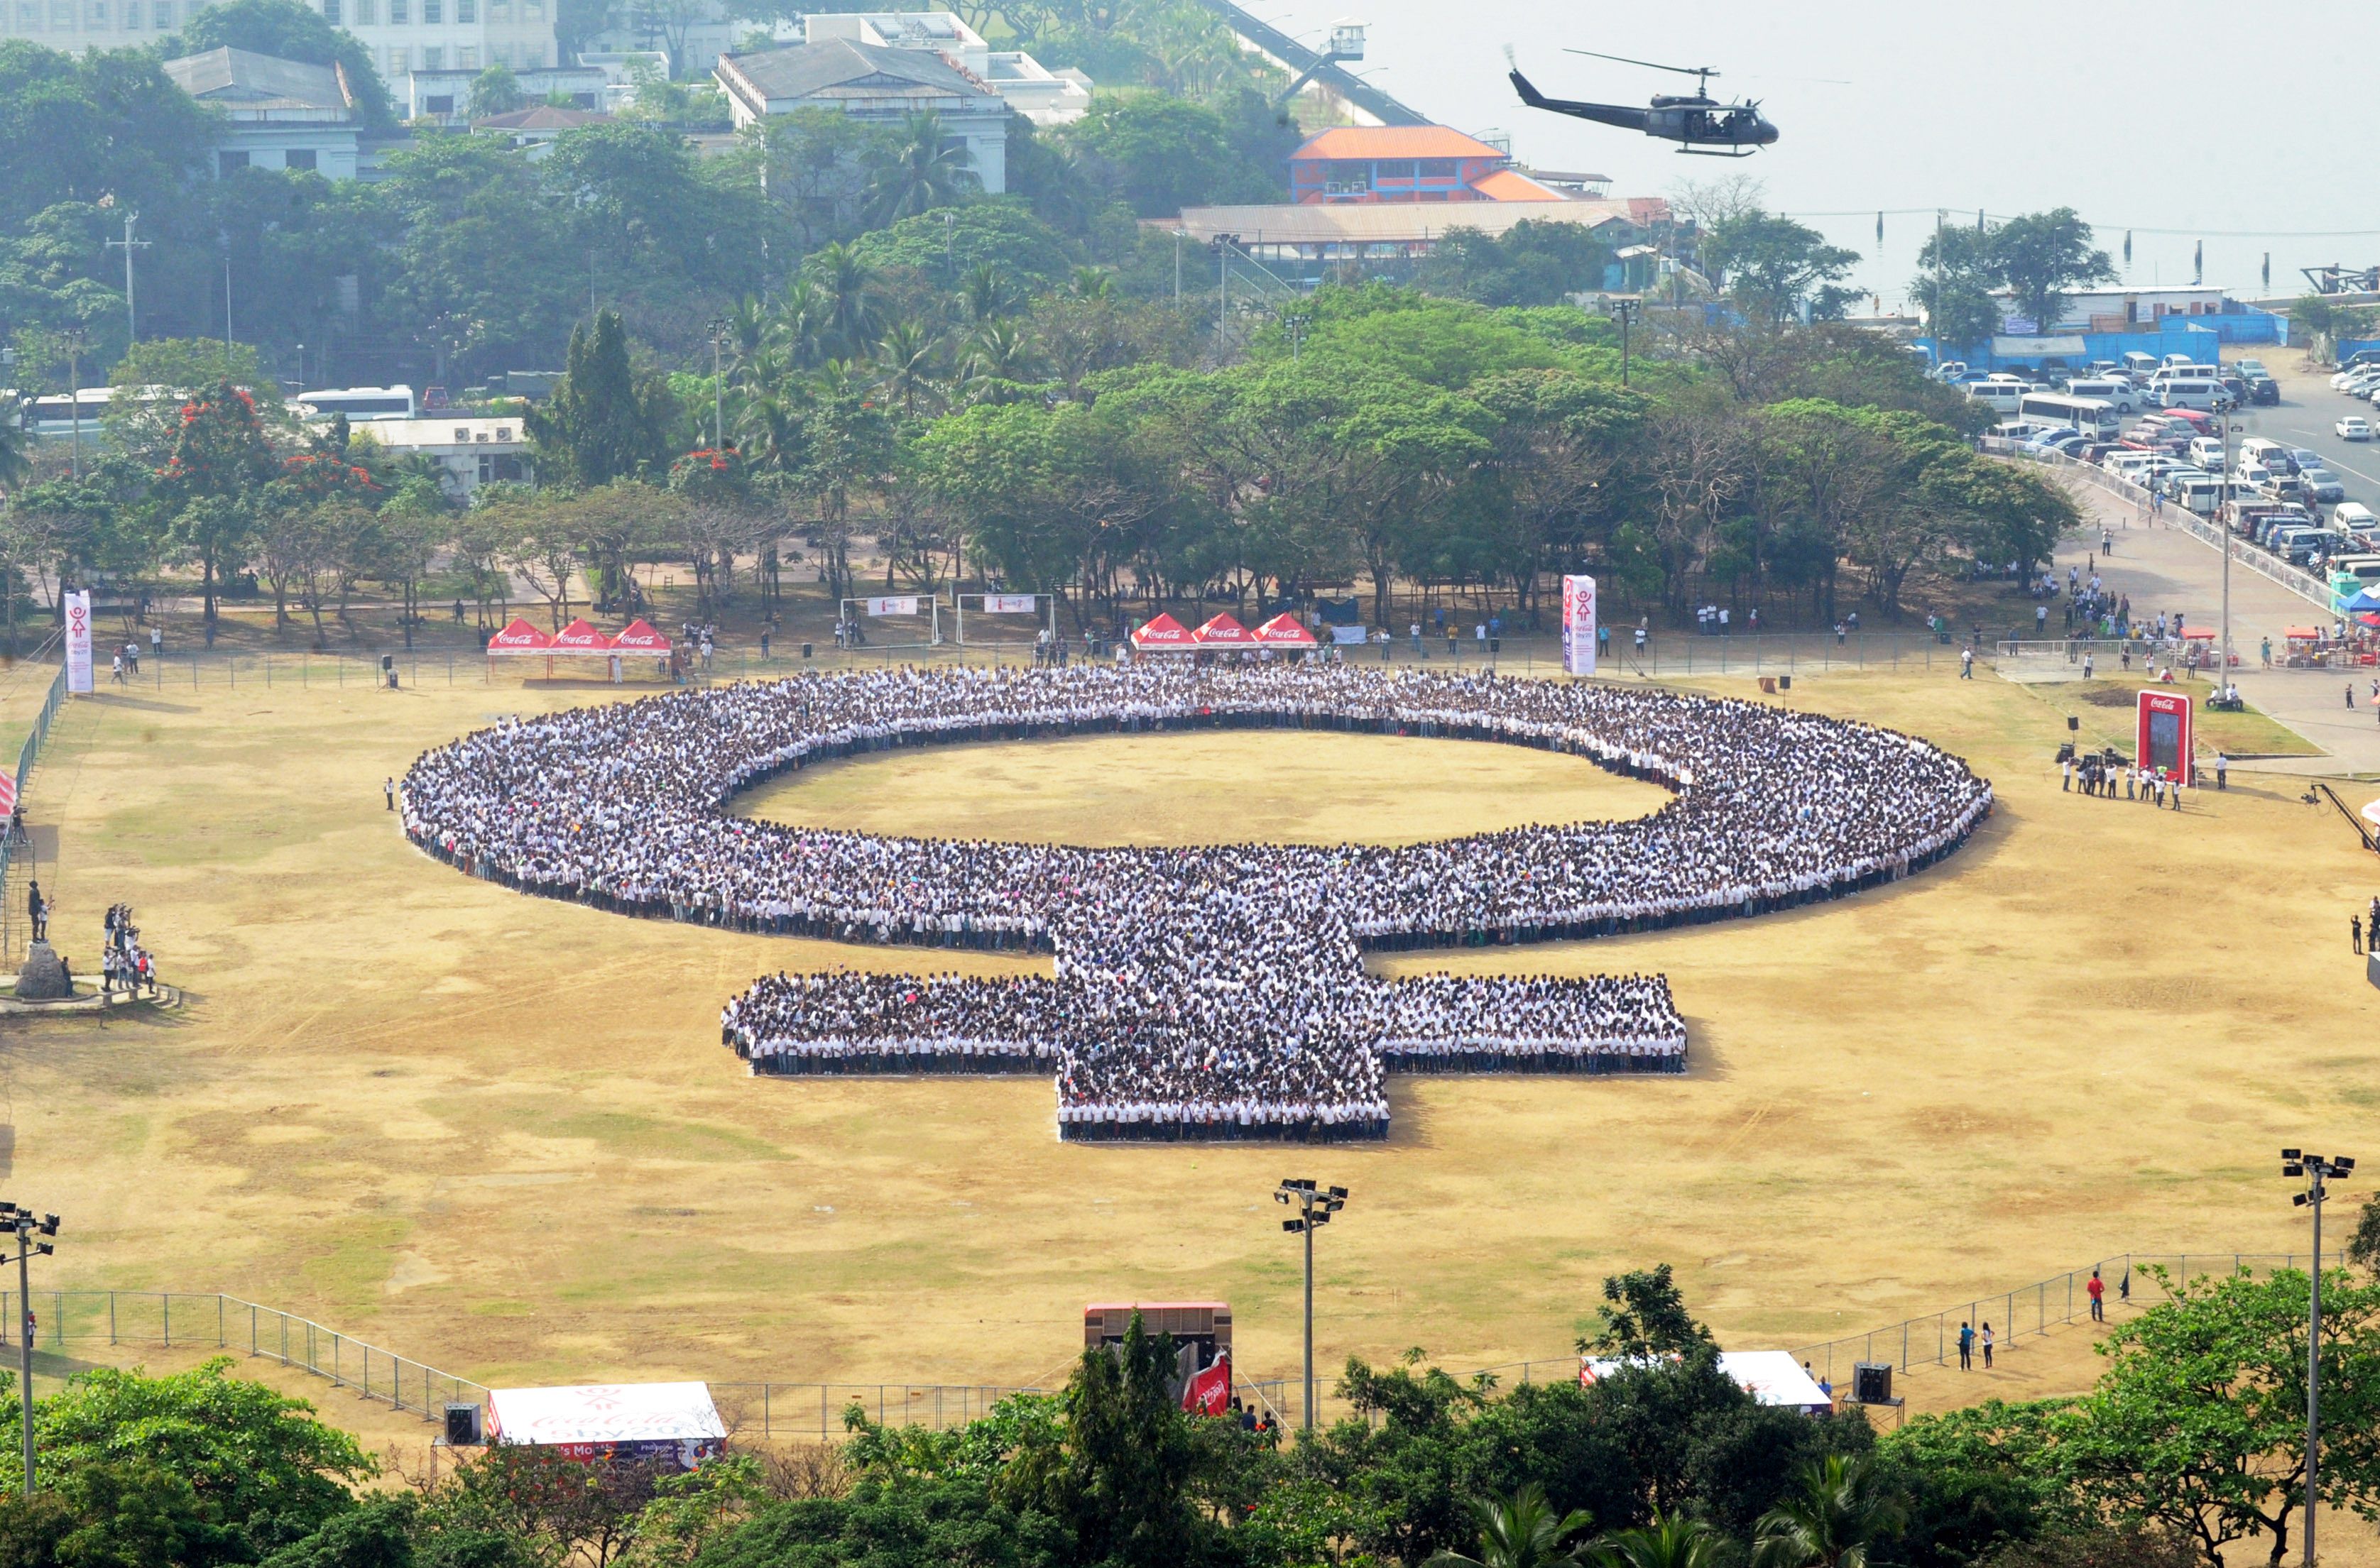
{"x":1211,"y":991}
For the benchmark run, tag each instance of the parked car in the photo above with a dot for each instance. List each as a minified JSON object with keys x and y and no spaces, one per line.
{"x":2323,"y":485}
{"x":2354,"y":427}
{"x":2264,"y":391}
{"x":2250,"y":367}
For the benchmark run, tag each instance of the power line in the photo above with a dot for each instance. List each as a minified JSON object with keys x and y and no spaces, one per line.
{"x":2136,"y":228}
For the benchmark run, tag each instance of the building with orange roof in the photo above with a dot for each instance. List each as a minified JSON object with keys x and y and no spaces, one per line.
{"x":1357,"y":165}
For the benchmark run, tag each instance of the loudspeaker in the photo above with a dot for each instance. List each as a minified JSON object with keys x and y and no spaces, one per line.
{"x":1872,"y":1382}
{"x":2072,"y":722}
{"x":463,"y":1426}
{"x":1784,"y":683}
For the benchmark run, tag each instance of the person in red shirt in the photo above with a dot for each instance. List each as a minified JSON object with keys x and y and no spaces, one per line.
{"x":2099,"y":1289}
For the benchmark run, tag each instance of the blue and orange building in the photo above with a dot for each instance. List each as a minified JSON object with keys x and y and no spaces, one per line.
{"x":1358,"y":166}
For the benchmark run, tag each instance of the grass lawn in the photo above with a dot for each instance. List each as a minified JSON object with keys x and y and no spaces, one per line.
{"x":499,"y":1134}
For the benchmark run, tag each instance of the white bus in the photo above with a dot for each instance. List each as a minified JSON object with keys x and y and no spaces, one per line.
{"x":359,"y":404}
{"x":2094,"y":416}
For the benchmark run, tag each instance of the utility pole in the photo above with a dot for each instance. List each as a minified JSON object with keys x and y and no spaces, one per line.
{"x":2315,"y":1170}
{"x":129,"y":244}
{"x":1625,"y":308}
{"x":2224,"y":511}
{"x":718,"y":389}
{"x":73,"y":397}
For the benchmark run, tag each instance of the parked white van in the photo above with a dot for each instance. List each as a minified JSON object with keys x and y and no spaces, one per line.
{"x":2185,"y":393}
{"x":2002,"y":398}
{"x":2120,"y":395}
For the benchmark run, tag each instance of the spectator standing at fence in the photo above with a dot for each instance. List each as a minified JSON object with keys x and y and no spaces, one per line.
{"x":1966,"y":1347}
{"x":156,"y":642}
{"x":2098,"y":1291}
{"x":1987,"y":1344}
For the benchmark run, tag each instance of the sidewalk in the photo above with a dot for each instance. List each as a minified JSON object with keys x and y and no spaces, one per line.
{"x":2168,"y":570}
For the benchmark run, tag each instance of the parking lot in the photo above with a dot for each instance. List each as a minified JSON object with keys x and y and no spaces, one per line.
{"x":2308,"y":410}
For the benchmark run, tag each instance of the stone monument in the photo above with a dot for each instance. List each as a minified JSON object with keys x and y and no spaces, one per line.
{"x":43,"y":977}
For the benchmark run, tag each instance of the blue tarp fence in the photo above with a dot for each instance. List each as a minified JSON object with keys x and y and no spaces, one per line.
{"x":2201,"y":337}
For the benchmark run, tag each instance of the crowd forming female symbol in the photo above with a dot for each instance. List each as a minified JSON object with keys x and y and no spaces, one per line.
{"x":1209,"y":993}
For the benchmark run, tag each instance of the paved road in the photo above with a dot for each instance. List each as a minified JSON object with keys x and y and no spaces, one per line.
{"x":2164,"y":569}
{"x":2305,"y":415}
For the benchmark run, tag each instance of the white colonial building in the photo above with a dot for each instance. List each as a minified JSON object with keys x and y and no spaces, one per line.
{"x":468,"y":449}
{"x":1044,"y":96}
{"x":877,"y":84}
{"x":277,"y":114}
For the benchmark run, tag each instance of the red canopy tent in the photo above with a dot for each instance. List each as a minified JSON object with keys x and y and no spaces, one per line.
{"x":520,"y":637}
{"x":1283,"y":631}
{"x":1163,"y":634}
{"x":638,"y":636}
{"x":1222,"y":631}
{"x":581,"y":636}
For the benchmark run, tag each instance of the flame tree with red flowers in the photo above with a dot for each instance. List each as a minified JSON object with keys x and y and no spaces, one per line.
{"x":212,"y":482}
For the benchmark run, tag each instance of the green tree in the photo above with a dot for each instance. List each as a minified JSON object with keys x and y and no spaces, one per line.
{"x":1124,"y":1492}
{"x":1161,"y":153}
{"x":925,"y":169}
{"x":16,"y":443}
{"x":1670,"y":1540}
{"x":1774,"y":267}
{"x":286,"y":31}
{"x":597,"y":427}
{"x":1644,"y":1315}
{"x":1520,"y":1531}
{"x":1535,"y":262}
{"x":2042,"y":255}
{"x":2364,"y":1242}
{"x":251,"y":1458}
{"x":943,"y":246}
{"x":2198,"y":1424}
{"x":1843,"y":1507}
{"x":496,"y":91}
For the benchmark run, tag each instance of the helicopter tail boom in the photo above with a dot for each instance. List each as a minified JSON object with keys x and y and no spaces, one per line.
{"x":1602,"y":113}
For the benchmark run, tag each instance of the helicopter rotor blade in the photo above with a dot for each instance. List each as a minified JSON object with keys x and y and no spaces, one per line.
{"x":1648,"y":65}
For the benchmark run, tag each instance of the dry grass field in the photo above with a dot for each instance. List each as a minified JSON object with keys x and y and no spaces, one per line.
{"x":499,"y":1134}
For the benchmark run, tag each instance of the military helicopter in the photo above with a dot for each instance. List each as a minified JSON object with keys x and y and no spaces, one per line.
{"x":1700,"y":123}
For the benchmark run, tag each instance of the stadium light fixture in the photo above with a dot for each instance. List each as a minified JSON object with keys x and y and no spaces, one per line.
{"x":1315,"y":1205}
{"x":2314,"y":1171}
{"x":22,"y":1223}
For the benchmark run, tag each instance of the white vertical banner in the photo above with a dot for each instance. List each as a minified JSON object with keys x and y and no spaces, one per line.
{"x":79,"y":640}
{"x":1578,"y":625}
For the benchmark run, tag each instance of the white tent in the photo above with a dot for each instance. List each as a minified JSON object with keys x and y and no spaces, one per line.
{"x":651,"y":1420}
{"x":1772,"y":1377}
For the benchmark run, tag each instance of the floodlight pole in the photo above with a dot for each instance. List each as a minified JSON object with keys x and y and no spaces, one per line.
{"x":25,"y":1349}
{"x":2316,"y":1170}
{"x":1314,"y":1206}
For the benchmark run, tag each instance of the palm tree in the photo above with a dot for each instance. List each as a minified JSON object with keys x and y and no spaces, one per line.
{"x":927,"y":170}
{"x":846,"y":285}
{"x":1091,"y":282}
{"x":798,"y":329}
{"x":905,"y":355}
{"x":1001,"y":351}
{"x":986,"y":295}
{"x":1520,"y":1531}
{"x":1844,"y":1505}
{"x":14,"y":442}
{"x":1671,"y":1540}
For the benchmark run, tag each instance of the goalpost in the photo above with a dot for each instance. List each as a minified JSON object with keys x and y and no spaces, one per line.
{"x":1032,"y":605}
{"x":884,"y":607}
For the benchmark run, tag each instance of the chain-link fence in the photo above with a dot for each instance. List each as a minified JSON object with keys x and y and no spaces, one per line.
{"x":1933,"y":1339}
{"x":225,"y":1323}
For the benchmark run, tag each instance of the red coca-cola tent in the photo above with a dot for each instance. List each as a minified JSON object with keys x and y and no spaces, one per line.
{"x":1222,"y":631}
{"x":581,"y":636}
{"x":638,"y":636}
{"x":520,"y":637}
{"x":1163,"y":634}
{"x":1283,"y":631}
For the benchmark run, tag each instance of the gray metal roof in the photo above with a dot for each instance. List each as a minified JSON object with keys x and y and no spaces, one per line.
{"x":237,"y":80}
{"x":840,"y":68}
{"x":1351,"y":87}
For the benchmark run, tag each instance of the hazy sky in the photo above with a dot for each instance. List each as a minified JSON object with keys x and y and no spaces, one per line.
{"x":2253,"y":128}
